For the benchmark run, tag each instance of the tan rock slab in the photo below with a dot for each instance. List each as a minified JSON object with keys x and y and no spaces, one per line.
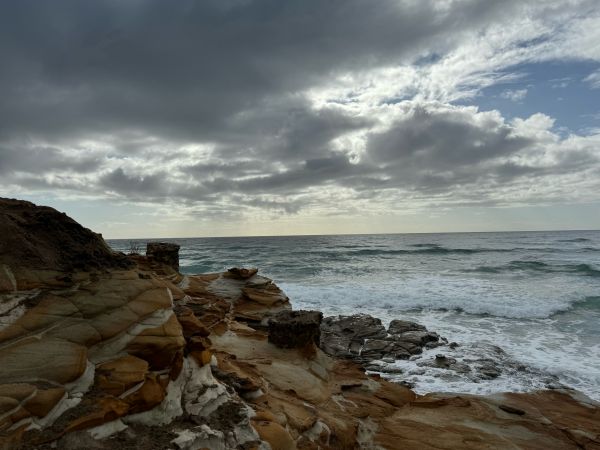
{"x":273,"y":433}
{"x":117,"y":376}
{"x":43,"y":401}
{"x":49,"y":359}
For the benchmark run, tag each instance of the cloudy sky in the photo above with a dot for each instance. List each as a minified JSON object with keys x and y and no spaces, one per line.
{"x":260,"y":117}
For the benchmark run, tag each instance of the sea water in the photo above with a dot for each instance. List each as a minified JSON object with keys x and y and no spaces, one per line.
{"x":534,"y":294}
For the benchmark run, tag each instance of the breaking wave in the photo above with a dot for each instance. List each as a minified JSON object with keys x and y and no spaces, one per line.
{"x":541,"y":267}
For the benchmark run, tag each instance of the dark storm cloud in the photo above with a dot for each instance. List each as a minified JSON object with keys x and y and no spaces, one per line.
{"x":40,"y":159}
{"x":205,"y":102}
{"x":185,"y":69}
{"x":131,"y":185}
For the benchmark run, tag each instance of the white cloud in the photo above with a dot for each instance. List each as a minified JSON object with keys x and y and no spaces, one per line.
{"x":514,"y":95}
{"x":593,"y":79}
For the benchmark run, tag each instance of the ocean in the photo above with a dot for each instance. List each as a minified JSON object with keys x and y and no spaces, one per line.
{"x":536,"y":295}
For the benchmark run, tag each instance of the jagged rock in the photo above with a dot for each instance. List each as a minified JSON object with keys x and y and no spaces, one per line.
{"x":252,"y":300}
{"x":402,"y":326}
{"x":40,"y":245}
{"x":364,"y":338}
{"x":345,"y":335}
{"x":242,"y":273}
{"x":295,"y":329}
{"x":164,"y":253}
{"x":121,"y":374}
{"x":190,"y":324}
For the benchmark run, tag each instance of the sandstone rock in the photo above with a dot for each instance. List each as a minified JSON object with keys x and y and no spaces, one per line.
{"x":41,"y":238}
{"x":62,"y":361}
{"x":274,"y":434}
{"x":242,"y":273}
{"x":149,"y":395}
{"x":295,"y":329}
{"x":103,"y":410}
{"x":159,"y":346}
{"x":190,"y":324}
{"x":164,"y":253}
{"x":269,"y":296}
{"x":43,"y":401}
{"x":119,"y":375}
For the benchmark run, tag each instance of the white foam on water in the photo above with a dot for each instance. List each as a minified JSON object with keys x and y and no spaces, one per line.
{"x":529,"y":331}
{"x":474,"y":296}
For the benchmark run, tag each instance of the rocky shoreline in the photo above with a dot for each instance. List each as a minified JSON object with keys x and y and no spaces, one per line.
{"x":100,"y":350}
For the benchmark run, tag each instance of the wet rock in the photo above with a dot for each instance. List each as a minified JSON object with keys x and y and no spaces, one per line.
{"x":403,"y":326}
{"x":295,"y":329}
{"x":445,"y":362}
{"x":489,"y":371}
{"x":164,"y":253}
{"x":364,"y":338}
{"x":345,"y":335}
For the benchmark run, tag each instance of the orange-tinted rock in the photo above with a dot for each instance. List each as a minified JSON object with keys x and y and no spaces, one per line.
{"x":159,"y":346}
{"x":149,"y":395}
{"x":105,"y":410}
{"x":117,"y":376}
{"x":197,"y":343}
{"x":43,"y":401}
{"x":269,"y":296}
{"x":202,"y":357}
{"x":274,"y":434}
{"x":241,"y":273}
{"x":190,"y":324}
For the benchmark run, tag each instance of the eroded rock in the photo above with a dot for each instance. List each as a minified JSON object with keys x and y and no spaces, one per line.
{"x":295,"y":329}
{"x":364,"y":338}
{"x":164,"y":253}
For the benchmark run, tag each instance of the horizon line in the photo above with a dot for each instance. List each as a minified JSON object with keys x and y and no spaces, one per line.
{"x":352,"y":234}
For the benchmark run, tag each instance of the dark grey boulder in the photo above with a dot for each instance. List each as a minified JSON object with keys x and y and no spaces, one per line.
{"x":295,"y":329}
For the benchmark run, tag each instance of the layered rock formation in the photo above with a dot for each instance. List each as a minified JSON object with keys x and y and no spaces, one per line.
{"x":105,"y":352}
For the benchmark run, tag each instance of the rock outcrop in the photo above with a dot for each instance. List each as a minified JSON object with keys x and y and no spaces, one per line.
{"x":131,"y":354}
{"x":163,"y":253}
{"x":295,"y":329}
{"x":41,"y":246}
{"x":364,"y":338}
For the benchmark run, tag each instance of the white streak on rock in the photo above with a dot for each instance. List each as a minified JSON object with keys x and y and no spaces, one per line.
{"x":107,"y":429}
{"x":200,"y":437}
{"x":11,"y":277}
{"x":111,"y":348}
{"x":72,"y":397}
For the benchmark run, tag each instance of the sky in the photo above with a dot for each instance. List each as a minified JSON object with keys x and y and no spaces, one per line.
{"x":145,"y":118}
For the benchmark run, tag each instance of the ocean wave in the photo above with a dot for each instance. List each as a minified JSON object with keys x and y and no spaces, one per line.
{"x":396,"y":298}
{"x":540,"y":267}
{"x":575,"y":240}
{"x":424,"y":250}
{"x":591,"y":302}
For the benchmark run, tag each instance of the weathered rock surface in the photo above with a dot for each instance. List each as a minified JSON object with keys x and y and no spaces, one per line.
{"x":295,"y":329}
{"x":164,"y":253}
{"x":364,"y":338}
{"x":38,"y":244}
{"x":241,"y":273}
